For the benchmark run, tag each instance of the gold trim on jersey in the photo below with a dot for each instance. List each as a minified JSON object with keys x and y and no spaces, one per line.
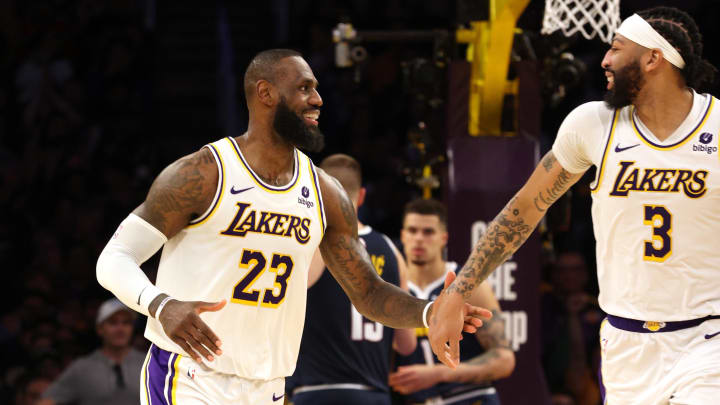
{"x":601,"y":169}
{"x":144,"y":377}
{"x":218,"y":198}
{"x":276,"y":190}
{"x":173,"y":390}
{"x":316,"y":187}
{"x":685,"y":140}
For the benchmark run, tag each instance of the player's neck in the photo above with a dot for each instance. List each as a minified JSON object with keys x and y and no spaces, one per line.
{"x":423,"y":274}
{"x":268,"y":156}
{"x":663,"y":106}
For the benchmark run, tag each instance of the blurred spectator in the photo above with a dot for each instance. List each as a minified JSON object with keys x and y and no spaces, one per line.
{"x":571,"y":322}
{"x":30,"y":388}
{"x":73,"y":73}
{"x":111,"y":374}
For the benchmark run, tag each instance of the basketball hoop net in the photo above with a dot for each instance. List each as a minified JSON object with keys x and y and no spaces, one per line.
{"x":588,"y":17}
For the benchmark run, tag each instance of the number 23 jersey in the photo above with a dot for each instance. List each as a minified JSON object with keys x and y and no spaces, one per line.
{"x":656,"y":208}
{"x":252,"y":248}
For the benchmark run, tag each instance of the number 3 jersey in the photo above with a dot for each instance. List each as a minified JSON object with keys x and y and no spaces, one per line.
{"x":252,"y":248}
{"x":656,"y":208}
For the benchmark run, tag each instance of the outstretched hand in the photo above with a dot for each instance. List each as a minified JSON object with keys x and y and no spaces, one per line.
{"x":450,"y":315}
{"x":181,"y":323}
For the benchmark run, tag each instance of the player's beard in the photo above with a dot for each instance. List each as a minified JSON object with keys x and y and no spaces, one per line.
{"x":627,"y":82}
{"x":293,"y":129}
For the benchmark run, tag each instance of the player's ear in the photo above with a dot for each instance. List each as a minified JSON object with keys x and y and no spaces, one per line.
{"x":266,"y":93}
{"x":653,"y":59}
{"x":361,"y":196}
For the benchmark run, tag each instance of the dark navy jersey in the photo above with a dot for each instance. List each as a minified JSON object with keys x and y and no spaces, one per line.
{"x":339,"y":345}
{"x":423,"y":354}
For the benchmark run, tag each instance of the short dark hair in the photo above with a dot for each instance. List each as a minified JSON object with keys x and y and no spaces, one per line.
{"x":427,"y":206}
{"x":678,"y":28}
{"x":346,"y":170}
{"x":264,"y":66}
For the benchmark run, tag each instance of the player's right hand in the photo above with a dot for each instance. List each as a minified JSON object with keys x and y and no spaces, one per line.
{"x":181,"y":322}
{"x":449,"y":316}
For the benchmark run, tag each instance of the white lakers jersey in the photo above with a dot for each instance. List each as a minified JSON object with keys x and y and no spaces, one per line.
{"x":252,"y":248}
{"x":656,"y":209}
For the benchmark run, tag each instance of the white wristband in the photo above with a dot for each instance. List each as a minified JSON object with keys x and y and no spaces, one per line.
{"x":425,"y":311}
{"x":161,"y":306}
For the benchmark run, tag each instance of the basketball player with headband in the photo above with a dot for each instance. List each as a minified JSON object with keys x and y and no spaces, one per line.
{"x":656,"y":213}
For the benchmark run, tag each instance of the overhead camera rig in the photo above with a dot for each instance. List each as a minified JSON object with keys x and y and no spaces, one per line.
{"x":489,"y":42}
{"x":349,"y":49}
{"x":489,"y":34}
{"x":422,"y":82}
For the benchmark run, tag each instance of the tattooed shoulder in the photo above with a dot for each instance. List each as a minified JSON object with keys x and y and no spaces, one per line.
{"x":182,"y":191}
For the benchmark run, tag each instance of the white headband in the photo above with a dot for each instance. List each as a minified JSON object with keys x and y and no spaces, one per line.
{"x":636,"y":29}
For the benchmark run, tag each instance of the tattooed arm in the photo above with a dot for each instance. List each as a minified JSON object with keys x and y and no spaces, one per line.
{"x":183,"y":191}
{"x":504,"y":235}
{"x":514,"y":224}
{"x":349,"y":263}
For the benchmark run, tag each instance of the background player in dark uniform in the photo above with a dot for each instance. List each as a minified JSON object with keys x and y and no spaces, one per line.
{"x":485,"y":357}
{"x":345,"y":357}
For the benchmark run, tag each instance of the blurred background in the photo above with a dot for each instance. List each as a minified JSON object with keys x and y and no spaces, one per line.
{"x":98,"y":96}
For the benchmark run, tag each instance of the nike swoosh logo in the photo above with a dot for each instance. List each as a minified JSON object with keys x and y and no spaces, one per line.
{"x":712,"y":336}
{"x":619,"y":149}
{"x":277,"y":398}
{"x":233,"y":191}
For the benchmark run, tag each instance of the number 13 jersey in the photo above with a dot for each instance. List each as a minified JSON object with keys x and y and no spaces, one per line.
{"x":252,"y":248}
{"x":656,"y":208}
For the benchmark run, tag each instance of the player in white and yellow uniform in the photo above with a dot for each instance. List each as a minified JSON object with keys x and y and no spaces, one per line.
{"x":264,"y":236}
{"x":240,"y":220}
{"x":655,"y":206}
{"x":656,"y":211}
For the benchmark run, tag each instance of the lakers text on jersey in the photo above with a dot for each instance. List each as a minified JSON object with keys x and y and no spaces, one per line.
{"x":252,"y":248}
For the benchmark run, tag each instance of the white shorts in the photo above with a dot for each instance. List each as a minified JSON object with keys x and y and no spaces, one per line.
{"x":171,"y":379}
{"x":679,"y":367}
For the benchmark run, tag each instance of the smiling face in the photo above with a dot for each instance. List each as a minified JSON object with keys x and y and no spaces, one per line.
{"x":297,"y":113}
{"x":622,"y":69}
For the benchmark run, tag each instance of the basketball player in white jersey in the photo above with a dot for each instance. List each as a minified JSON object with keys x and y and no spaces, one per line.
{"x":239,"y":220}
{"x":656,"y":214}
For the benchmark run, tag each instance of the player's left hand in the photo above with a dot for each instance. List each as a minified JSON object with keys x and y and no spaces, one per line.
{"x":409,"y":379}
{"x":449,"y":316}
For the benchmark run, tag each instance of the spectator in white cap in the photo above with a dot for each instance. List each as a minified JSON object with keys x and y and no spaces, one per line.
{"x":110,"y":375}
